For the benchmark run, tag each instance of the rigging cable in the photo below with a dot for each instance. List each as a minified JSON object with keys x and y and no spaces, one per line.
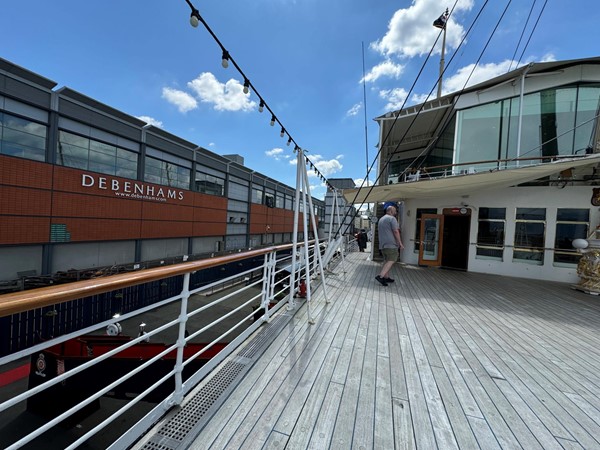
{"x":534,"y":28}
{"x":521,"y":37}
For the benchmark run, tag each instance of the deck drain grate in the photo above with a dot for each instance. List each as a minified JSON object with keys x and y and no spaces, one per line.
{"x":178,"y":428}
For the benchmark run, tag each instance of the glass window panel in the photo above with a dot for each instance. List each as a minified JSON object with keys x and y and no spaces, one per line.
{"x":23,"y":138}
{"x":572,"y":215}
{"x":257,"y":196}
{"x":420,"y":213}
{"x":102,"y":158}
{"x":83,"y":153}
{"x":103,"y":148}
{"x":126,"y":173}
{"x":73,"y":139}
{"x":73,"y":161}
{"x":491,"y":233}
{"x":210,"y":184}
{"x":96,"y":166}
{"x":478,"y":133}
{"x":126,"y":155}
{"x":24,"y":125}
{"x":532,"y":256}
{"x":571,"y":224}
{"x":531,"y":214}
{"x":493,"y":253}
{"x":566,"y":232}
{"x":492,"y":213}
{"x":529,"y":235}
{"x":588,"y":105}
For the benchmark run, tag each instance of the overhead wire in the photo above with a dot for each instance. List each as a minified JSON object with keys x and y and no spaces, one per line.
{"x":521,"y":37}
{"x":195,"y":19}
{"x":533,"y":29}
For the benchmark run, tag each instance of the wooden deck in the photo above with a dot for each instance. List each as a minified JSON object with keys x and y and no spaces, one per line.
{"x":439,"y":359}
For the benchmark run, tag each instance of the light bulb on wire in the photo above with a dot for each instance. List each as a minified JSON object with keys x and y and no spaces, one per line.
{"x":261,"y":106}
{"x":246,"y":86}
{"x":289,"y":141}
{"x":272,"y":121}
{"x":282,"y":132}
{"x":194,"y":19}
{"x":225,"y":60}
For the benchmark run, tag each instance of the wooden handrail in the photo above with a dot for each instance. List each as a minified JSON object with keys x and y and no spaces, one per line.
{"x":22,"y":301}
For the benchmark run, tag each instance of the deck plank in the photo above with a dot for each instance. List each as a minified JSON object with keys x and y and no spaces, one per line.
{"x":438,"y":359}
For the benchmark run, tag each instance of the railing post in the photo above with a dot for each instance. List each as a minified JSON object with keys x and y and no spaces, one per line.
{"x":271,"y":297}
{"x":177,"y":396}
{"x":267,"y":286}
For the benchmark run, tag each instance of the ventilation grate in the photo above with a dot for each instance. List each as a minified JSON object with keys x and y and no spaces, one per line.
{"x":189,"y":420}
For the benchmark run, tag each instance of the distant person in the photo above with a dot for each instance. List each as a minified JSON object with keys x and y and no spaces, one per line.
{"x":390,"y":242}
{"x":361,"y":239}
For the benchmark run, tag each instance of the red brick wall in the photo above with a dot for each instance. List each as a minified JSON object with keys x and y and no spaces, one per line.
{"x":278,"y":220}
{"x":34,"y":195}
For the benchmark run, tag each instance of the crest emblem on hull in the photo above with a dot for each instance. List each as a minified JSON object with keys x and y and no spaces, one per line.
{"x":595,"y":197}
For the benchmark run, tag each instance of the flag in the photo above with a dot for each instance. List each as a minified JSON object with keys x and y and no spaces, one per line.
{"x":440,"y":22}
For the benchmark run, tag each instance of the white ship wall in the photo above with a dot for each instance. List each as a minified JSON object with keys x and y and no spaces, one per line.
{"x":550,"y":198}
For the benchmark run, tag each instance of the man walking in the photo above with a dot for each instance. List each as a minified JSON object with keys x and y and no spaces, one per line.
{"x":389,"y":241}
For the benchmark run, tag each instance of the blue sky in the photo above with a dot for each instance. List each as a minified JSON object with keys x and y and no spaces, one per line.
{"x":304,"y":57}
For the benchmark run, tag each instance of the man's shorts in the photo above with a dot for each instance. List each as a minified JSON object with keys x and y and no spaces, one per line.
{"x":390,"y":254}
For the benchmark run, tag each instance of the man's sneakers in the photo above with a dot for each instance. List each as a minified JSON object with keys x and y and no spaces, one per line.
{"x":381,"y":280}
{"x":388,"y":280}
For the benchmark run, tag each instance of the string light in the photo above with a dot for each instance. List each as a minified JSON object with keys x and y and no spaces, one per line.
{"x":225,"y":61}
{"x":195,"y":19}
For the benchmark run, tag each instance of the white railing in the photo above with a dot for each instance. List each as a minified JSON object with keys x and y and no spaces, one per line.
{"x":469,"y":168}
{"x":271,"y":286}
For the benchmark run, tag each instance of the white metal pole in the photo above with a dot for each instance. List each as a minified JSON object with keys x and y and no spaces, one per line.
{"x":317,"y":244}
{"x":299,"y":162}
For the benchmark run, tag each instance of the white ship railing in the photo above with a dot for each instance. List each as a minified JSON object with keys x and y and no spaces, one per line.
{"x":272,"y":268}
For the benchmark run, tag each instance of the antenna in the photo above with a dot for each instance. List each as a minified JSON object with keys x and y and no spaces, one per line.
{"x":365,"y":112}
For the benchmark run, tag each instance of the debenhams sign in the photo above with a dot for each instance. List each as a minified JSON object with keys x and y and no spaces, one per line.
{"x":131,"y":189}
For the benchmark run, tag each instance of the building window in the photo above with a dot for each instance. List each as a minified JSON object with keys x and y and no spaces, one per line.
{"x":490,"y":233}
{"x":210,"y":184}
{"x":88,"y":154}
{"x":570,"y":224}
{"x":22,"y":138}
{"x":280,"y":200}
{"x":166,"y":173}
{"x":270,"y":200}
{"x":530,"y":229}
{"x":257,"y":195}
{"x":420,"y":213}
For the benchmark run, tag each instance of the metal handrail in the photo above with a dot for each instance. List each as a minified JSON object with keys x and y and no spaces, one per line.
{"x":36,"y":298}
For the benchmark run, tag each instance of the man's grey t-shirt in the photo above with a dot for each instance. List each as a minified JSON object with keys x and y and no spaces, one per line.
{"x":386,"y":226}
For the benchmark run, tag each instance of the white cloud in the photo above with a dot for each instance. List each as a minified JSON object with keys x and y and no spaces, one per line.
{"x":394,"y":97}
{"x":326,"y":167}
{"x":151,"y":121}
{"x":227,"y":96}
{"x":411,"y":31}
{"x":359,"y":182}
{"x":184,"y":101}
{"x":277,"y":154}
{"x":482,"y":72}
{"x":354,"y":110}
{"x":548,"y":57}
{"x":385,"y":69}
